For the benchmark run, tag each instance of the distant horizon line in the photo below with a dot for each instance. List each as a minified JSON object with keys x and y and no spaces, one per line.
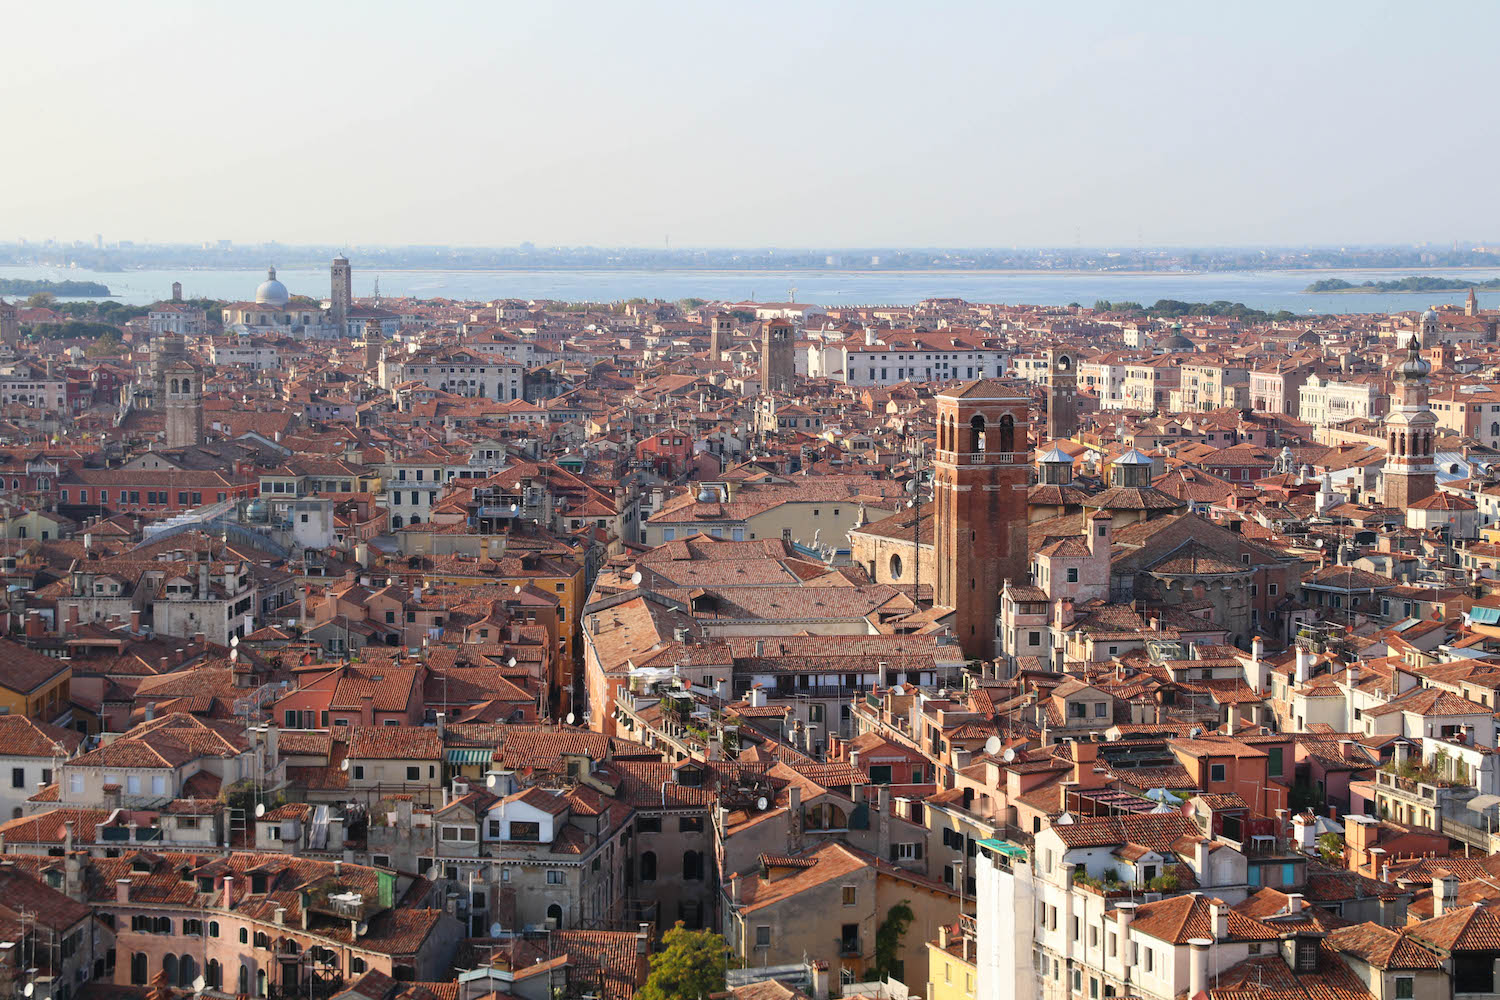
{"x":1465,"y":246}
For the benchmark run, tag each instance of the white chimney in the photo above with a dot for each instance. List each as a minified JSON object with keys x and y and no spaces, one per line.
{"x":1198,"y":972}
{"x":1304,"y":665}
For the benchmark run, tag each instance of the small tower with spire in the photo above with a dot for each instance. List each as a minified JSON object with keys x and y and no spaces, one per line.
{"x":1471,"y":304}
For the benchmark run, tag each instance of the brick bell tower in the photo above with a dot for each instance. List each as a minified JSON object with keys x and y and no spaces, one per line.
{"x":1062,"y":394}
{"x":981,"y":475}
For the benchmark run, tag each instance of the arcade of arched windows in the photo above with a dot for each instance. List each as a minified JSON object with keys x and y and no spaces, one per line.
{"x":1414,"y":443}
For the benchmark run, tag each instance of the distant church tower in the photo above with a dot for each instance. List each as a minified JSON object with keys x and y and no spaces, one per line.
{"x":721,"y":331}
{"x":1062,"y":394}
{"x":166,"y":350}
{"x":10,"y":324}
{"x":1471,"y":305}
{"x":374,"y":342}
{"x":1410,"y":472}
{"x":778,"y":367}
{"x":981,"y":475}
{"x":342,"y":295}
{"x":1427,"y":328}
{"x":184,"y":405}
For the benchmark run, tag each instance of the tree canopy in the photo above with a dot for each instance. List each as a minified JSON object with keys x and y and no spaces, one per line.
{"x":691,"y":964}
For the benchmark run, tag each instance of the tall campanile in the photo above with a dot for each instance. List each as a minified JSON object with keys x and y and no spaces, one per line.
{"x":1410,"y":427}
{"x":1062,"y":394}
{"x":341,"y":293}
{"x":981,"y":477}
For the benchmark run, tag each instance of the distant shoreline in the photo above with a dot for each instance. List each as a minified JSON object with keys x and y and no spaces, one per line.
{"x":685,"y":268}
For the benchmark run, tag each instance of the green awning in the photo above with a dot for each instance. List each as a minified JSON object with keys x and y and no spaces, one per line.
{"x":470,"y":755}
{"x":1484,"y":615}
{"x":1004,"y":847}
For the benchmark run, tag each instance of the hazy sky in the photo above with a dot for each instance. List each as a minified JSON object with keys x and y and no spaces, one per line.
{"x":916,"y":123}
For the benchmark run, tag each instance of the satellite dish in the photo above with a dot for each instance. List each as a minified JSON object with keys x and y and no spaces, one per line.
{"x":514,"y":508}
{"x":1009,"y":756}
{"x":518,"y":588}
{"x":898,"y":690}
{"x":571,"y":718}
{"x":761,"y":804}
{"x":30,"y":989}
{"x":992,"y":745}
{"x":496,"y":929}
{"x":234,"y":640}
{"x":362,"y":930}
{"x":635,"y":578}
{"x":344,"y":764}
{"x":199,"y":983}
{"x":510,"y":662}
{"x":260,"y":808}
{"x":491,"y":780}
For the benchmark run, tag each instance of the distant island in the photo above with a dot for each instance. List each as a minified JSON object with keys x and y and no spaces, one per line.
{"x":1176,"y":309}
{"x":65,"y":289}
{"x":1412,"y":284}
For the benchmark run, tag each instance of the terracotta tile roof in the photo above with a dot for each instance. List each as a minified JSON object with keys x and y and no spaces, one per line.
{"x":395,"y":743}
{"x":1383,"y":948}
{"x":1158,"y":831}
{"x":24,"y":737}
{"x":1472,"y":928}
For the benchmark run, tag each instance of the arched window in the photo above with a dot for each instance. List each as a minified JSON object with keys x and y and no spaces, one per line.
{"x":174,"y":385}
{"x":187,"y":970}
{"x":260,"y":982}
{"x":895,"y":575}
{"x":244,"y":981}
{"x":169,"y":967}
{"x":648,"y":866}
{"x":1495,"y":429}
{"x":1007,"y":433}
{"x":554,"y":914}
{"x":692,"y":866}
{"x":214,"y":974}
{"x":138,"y":969}
{"x":244,"y":939}
{"x":396,"y":521}
{"x":976,"y":434}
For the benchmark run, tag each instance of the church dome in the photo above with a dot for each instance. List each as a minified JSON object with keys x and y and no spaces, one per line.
{"x":1430,"y":316}
{"x":272,"y":292}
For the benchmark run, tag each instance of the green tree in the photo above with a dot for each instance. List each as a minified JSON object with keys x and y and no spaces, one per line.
{"x":42,"y":300}
{"x":888,"y":939}
{"x":105,"y":346}
{"x":691,"y":964}
{"x":693,"y":303}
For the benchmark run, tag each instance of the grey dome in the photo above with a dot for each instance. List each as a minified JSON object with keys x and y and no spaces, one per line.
{"x":272,"y":292}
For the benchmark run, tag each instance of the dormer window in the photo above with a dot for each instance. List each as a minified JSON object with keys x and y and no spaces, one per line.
{"x":1307,"y":955}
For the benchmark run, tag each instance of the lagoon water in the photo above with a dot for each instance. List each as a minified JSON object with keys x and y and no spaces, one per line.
{"x":1269,"y":290}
